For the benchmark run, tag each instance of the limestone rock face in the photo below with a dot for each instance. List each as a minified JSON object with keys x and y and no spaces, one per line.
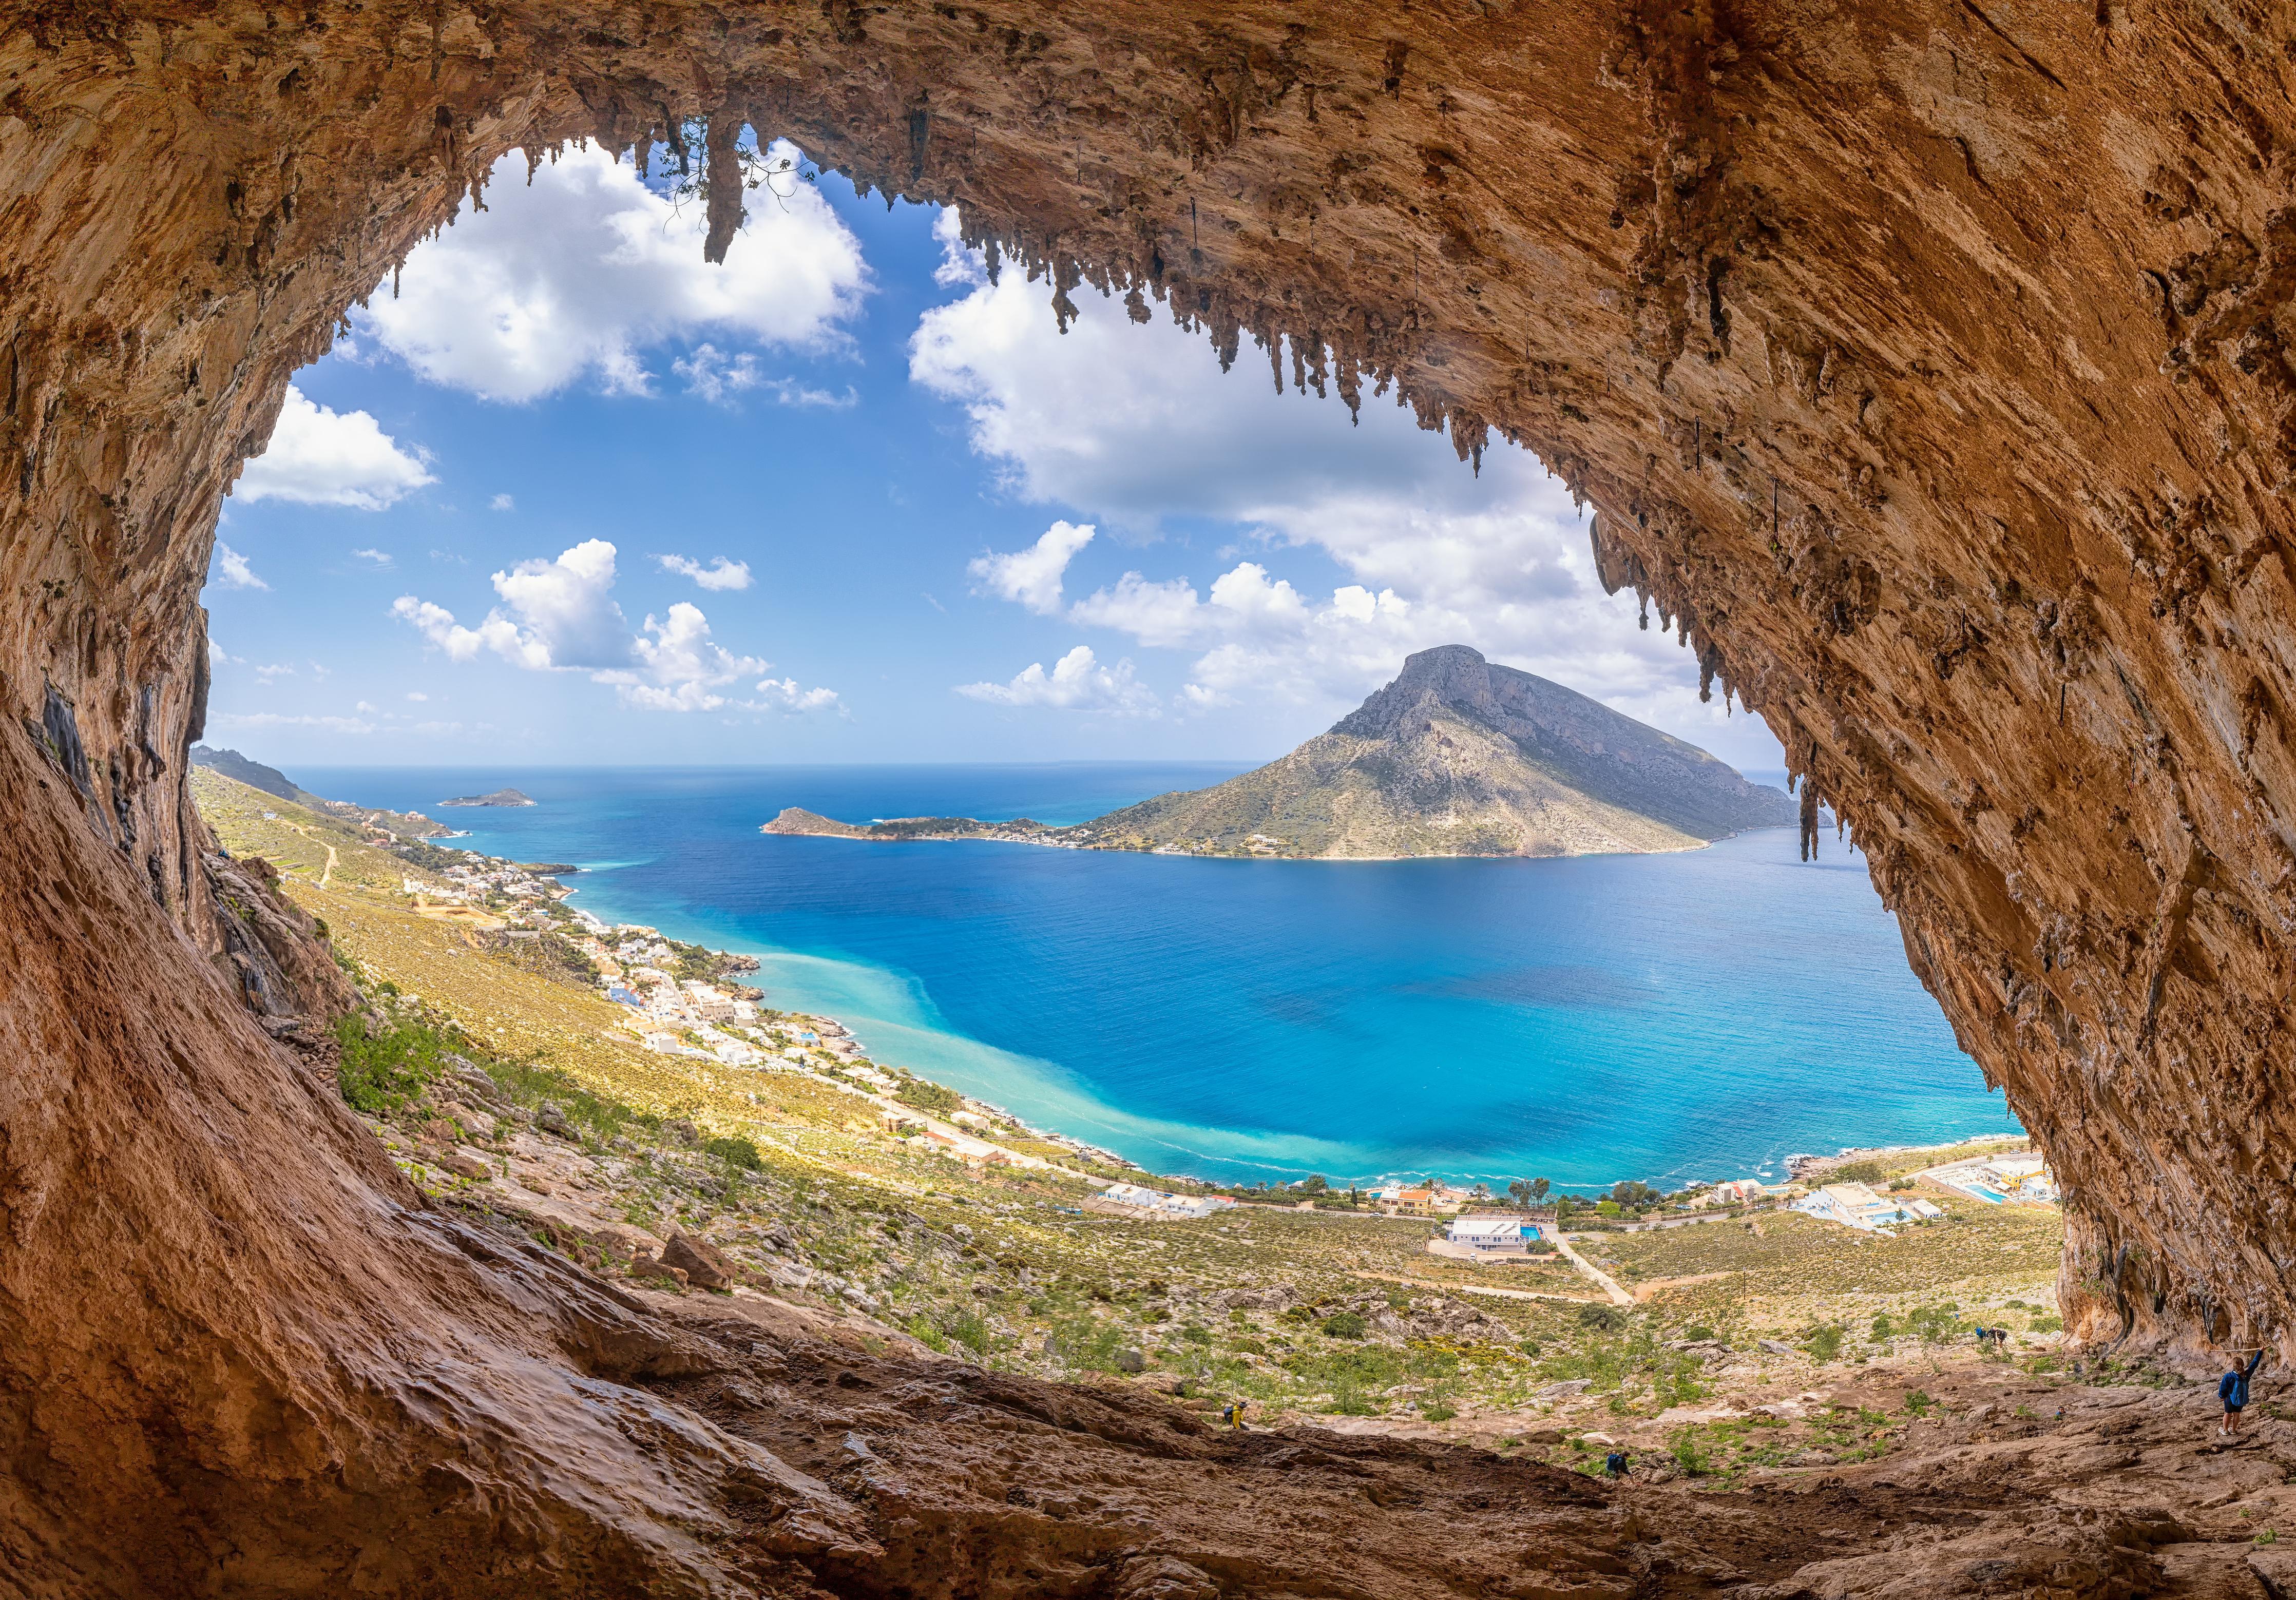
{"x":1926,"y":364}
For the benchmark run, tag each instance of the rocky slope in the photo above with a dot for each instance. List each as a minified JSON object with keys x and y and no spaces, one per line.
{"x":1926,"y":363}
{"x":1455,"y":757}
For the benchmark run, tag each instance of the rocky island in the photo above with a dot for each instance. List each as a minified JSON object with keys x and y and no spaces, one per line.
{"x":1456,"y":757}
{"x":500,"y":797}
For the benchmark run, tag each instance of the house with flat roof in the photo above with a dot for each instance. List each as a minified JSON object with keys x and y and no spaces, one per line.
{"x":1140,"y":1197}
{"x":1854,"y":1205}
{"x":1508,"y":1232}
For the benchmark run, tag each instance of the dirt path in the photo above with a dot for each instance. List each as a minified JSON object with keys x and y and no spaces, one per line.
{"x":1592,"y":1274}
{"x":1660,"y":1286}
{"x":329,"y":870}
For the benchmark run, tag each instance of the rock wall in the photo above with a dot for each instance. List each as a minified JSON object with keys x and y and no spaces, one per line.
{"x":1926,"y":363}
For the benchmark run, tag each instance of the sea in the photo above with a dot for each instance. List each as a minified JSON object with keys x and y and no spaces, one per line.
{"x":1670,"y":1018}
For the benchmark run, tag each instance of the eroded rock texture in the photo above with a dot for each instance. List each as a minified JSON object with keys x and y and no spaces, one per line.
{"x":1925,"y":363}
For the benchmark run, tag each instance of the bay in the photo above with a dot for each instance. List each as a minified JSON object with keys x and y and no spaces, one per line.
{"x":1697,"y":1015}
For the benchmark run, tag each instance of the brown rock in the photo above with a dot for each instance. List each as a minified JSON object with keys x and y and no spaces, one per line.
{"x":463,"y":1163}
{"x":1925,"y":366}
{"x":699,"y":1260}
{"x":650,"y":1267}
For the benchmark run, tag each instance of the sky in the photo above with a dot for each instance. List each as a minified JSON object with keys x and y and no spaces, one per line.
{"x":565,"y":494}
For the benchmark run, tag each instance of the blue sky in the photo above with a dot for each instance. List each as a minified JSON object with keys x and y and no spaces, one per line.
{"x":575,"y":495}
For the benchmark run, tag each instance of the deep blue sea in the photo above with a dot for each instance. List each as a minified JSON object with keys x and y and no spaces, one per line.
{"x":1659,"y":1017}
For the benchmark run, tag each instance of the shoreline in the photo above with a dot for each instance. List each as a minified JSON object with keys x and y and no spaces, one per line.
{"x":1794,"y":1166}
{"x":1275,"y":1170}
{"x":1113,"y":849}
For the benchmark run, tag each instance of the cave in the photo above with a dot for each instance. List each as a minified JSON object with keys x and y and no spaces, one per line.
{"x":1923,"y":366}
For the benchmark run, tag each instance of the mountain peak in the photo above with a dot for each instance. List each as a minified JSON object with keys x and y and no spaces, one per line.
{"x":1458,"y":756}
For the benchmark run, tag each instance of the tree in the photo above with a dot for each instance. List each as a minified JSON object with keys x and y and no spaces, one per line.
{"x":1518,"y":1192}
{"x":1538,"y":1188}
{"x":1314,"y":1182}
{"x":1480,"y":1192}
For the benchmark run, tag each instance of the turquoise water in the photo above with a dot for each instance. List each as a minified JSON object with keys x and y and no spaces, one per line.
{"x":1659,"y":1017}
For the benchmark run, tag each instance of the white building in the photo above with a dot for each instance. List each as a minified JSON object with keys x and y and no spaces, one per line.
{"x":1145,"y":1198}
{"x":1854,"y":1205}
{"x":1492,"y":1233}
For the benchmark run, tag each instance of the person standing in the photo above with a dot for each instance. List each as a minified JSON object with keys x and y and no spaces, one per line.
{"x":2232,"y":1388}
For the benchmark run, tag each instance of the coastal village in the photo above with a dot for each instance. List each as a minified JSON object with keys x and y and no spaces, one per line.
{"x":633,"y":1102}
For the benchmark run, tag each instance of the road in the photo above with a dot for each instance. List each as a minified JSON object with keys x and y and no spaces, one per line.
{"x":1593,"y":1275}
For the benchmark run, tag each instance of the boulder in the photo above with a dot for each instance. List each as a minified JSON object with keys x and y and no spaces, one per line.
{"x":663,"y":1274}
{"x":1771,"y":1347}
{"x":464,"y":1163}
{"x":551,"y":1118}
{"x":622,"y":1240}
{"x":699,"y":1260}
{"x":1131,"y":1360}
{"x":683,"y":1132}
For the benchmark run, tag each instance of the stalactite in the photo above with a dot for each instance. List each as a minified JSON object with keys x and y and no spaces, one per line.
{"x":722,"y":185}
{"x":1809,"y":817}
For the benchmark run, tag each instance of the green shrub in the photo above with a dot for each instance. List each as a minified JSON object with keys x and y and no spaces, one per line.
{"x":1345,"y":1325}
{"x":936,"y":1099}
{"x":1195,"y":1333}
{"x":968,"y":1328}
{"x":1919,"y":1404}
{"x":383,"y":1071}
{"x":1884,"y":1325}
{"x":1825,"y":1343}
{"x":1691,"y":1455}
{"x":1607,"y":1319}
{"x":735,"y":1151}
{"x":1698,"y":1330}
{"x":1856,"y":1172}
{"x":2050,"y":1324}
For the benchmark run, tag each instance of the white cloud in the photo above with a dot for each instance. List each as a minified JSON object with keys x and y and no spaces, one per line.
{"x":279,"y":669}
{"x":379,"y":558}
{"x":577,"y":276}
{"x":1077,"y":682}
{"x":782,"y":694}
{"x":502,"y":503}
{"x":217,"y":656}
{"x":228,"y":720}
{"x":232,"y":570}
{"x":1032,"y":576}
{"x":417,"y":695}
{"x":712,"y":375}
{"x":560,"y":616}
{"x":719,"y":574}
{"x":367,"y":708}
{"x":676,"y":666}
{"x":322,"y":457}
{"x":792,"y":393}
{"x":1426,"y":552}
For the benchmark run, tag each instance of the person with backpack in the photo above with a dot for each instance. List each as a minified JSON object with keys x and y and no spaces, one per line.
{"x":2232,"y":1388}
